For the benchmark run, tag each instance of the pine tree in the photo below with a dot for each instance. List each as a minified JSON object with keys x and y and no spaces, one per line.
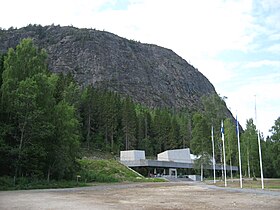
{"x":144,"y":131}
{"x":185,"y":129}
{"x":87,"y":103}
{"x":174,"y":135}
{"x":129,"y":124}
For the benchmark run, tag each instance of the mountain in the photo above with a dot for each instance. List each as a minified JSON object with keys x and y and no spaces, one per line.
{"x":149,"y":74}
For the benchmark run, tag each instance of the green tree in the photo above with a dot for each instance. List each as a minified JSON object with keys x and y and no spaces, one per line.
{"x":21,"y":101}
{"x":202,"y":162}
{"x":129,"y":124}
{"x":249,"y":141}
{"x":272,"y":152}
{"x":174,"y":135}
{"x":200,"y":142}
{"x":215,"y":111}
{"x":1,"y":68}
{"x":24,"y":62}
{"x":87,"y":114}
{"x":231,"y":142}
{"x":35,"y":123}
{"x":63,"y":147}
{"x":161,"y":131}
{"x":268,"y":157}
{"x":144,"y":121}
{"x":275,"y":130}
{"x":185,"y":126}
{"x":5,"y":130}
{"x":111,"y":116}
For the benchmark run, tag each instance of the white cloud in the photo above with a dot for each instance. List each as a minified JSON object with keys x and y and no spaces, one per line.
{"x":20,"y":13}
{"x":241,"y":99}
{"x":274,"y":36}
{"x":261,"y":63}
{"x":269,"y":5}
{"x":274,"y":48}
{"x":191,"y":28}
{"x":217,"y":71}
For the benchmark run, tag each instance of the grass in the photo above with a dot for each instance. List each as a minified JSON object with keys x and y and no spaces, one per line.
{"x":109,"y":171}
{"x":270,"y":184}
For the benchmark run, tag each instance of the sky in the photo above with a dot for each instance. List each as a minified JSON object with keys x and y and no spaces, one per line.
{"x":234,"y":43}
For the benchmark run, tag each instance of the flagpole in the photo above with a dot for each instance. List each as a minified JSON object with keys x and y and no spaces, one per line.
{"x":224,"y":151}
{"x":213,"y":148}
{"x":260,"y":153}
{"x":259,"y":142}
{"x":238,"y":141}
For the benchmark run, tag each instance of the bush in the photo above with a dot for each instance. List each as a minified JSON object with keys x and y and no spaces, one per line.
{"x":6,"y":183}
{"x":23,"y":183}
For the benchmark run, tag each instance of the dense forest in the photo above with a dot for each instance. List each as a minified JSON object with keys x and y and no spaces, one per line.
{"x":47,"y":121}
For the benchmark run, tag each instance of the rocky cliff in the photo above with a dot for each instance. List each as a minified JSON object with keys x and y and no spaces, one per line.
{"x":151,"y":75}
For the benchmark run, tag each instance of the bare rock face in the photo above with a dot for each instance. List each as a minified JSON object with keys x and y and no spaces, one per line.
{"x":151,"y":75}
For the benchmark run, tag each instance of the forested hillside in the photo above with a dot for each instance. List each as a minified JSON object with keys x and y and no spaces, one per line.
{"x":46,"y":119}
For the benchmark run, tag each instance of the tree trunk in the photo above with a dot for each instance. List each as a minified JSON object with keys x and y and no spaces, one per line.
{"x":146,"y":128}
{"x":126,"y":141}
{"x":49,"y":174}
{"x":230,"y":169}
{"x":112,"y":141}
{"x":22,"y":130}
{"x":249,"y":174}
{"x":190,"y":130}
{"x":106,"y":135}
{"x":88,"y":131}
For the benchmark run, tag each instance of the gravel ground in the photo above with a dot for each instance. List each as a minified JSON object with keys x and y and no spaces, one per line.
{"x":169,"y":195}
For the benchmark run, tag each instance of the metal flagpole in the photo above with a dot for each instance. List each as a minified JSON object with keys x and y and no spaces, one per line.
{"x":213,"y":148}
{"x":259,"y":142}
{"x":224,"y":151}
{"x":238,"y":141}
{"x":231,"y":176}
{"x":260,"y":153}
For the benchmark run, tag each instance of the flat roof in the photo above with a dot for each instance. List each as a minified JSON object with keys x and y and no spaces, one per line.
{"x":169,"y":164}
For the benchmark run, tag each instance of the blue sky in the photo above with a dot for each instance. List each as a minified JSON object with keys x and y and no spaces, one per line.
{"x":234,"y":43}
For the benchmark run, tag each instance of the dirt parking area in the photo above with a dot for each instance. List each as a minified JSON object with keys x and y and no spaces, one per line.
{"x":183,"y":195}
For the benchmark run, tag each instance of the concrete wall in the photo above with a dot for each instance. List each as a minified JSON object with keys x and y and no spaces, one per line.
{"x":132,"y":155}
{"x":177,"y":155}
{"x":194,"y":177}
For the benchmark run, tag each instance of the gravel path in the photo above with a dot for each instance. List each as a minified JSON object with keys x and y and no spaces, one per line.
{"x":169,"y":195}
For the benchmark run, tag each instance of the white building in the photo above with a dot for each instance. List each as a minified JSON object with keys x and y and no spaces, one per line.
{"x":132,"y":155}
{"x":177,"y":155}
